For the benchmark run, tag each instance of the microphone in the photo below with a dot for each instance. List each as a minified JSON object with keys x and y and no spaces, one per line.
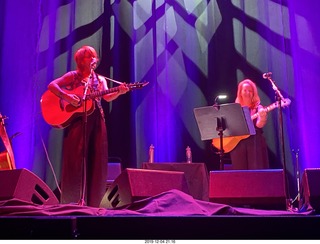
{"x":93,"y":63}
{"x":267,"y":75}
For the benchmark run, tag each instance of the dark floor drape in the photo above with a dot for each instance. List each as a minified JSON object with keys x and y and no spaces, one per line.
{"x":188,"y":51}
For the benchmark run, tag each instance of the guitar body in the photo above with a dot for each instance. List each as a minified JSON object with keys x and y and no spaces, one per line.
{"x":229,"y":143}
{"x":59,"y":113}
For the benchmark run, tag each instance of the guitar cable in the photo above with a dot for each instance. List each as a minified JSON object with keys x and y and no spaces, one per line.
{"x":53,"y":172}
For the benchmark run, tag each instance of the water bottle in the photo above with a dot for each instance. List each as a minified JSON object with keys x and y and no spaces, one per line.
{"x":188,"y":155}
{"x":151,"y":154}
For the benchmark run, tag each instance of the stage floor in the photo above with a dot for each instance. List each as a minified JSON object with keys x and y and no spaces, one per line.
{"x":162,"y":228}
{"x":172,"y":215}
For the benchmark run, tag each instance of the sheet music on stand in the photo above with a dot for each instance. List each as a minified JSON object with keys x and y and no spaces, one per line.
{"x":223,"y":120}
{"x":237,"y":120}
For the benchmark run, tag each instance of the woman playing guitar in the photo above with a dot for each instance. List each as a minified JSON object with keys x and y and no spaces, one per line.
{"x":85,"y":151}
{"x":251,"y":152}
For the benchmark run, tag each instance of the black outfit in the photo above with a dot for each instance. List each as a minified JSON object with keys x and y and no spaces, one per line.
{"x":251,"y":153}
{"x":96,"y":158}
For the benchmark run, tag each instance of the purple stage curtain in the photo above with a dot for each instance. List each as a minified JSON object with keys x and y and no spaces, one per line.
{"x":188,"y":51}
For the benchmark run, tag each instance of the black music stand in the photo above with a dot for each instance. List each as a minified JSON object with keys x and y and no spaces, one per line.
{"x":224,"y":120}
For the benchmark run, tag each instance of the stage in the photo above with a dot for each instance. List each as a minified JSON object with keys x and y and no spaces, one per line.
{"x":171,"y":215}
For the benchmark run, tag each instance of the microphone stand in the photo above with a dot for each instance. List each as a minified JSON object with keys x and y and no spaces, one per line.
{"x":298,"y":197}
{"x":280,"y":99}
{"x":220,"y":128}
{"x":84,"y":156}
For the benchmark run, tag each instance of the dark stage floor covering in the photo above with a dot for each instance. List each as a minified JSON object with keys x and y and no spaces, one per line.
{"x":171,"y":215}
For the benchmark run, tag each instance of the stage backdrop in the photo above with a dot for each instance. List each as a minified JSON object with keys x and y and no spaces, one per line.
{"x":188,"y":51}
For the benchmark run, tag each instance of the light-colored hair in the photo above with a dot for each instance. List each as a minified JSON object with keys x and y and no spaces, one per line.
{"x":255,"y":99}
{"x":81,"y":52}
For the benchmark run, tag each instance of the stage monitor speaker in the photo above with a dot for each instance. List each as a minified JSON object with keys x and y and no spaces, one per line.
{"x":136,"y":184}
{"x":114,"y":170}
{"x":261,"y":189}
{"x":310,"y":189}
{"x":26,"y":186}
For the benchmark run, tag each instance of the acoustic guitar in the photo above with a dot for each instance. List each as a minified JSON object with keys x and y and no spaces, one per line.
{"x":229,"y":143}
{"x":59,"y":113}
{"x":6,"y":157}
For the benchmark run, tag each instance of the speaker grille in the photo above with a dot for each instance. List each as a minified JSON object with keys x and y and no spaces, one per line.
{"x":137,"y":184}
{"x":262,"y":189}
{"x":24,"y":185}
{"x":310,"y":189}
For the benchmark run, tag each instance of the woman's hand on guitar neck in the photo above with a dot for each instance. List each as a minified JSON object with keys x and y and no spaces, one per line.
{"x":123,"y":88}
{"x":262,"y":117}
{"x":262,"y":113}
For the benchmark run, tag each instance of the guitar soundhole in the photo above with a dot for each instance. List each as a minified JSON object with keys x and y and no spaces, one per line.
{"x":70,"y":108}
{"x":61,"y":104}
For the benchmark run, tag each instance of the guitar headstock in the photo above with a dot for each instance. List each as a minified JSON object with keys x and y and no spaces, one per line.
{"x":286,"y":102}
{"x":137,"y":85}
{"x":2,"y":118}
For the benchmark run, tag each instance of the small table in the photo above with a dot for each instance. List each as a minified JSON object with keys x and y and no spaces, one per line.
{"x":196,"y":174}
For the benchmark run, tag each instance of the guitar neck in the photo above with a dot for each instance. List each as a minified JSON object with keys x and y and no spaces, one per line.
{"x":132,"y":86}
{"x":267,"y":109}
{"x":102,"y":93}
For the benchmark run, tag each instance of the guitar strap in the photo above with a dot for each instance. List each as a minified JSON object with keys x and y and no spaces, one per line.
{"x":97,"y":84}
{"x":94,"y":85}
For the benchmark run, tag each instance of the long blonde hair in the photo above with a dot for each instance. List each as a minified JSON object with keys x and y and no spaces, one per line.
{"x":255,"y":102}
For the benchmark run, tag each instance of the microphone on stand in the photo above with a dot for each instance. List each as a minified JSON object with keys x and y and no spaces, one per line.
{"x":267,"y":75}
{"x":274,"y":87}
{"x":93,"y":66}
{"x":93,"y":63}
